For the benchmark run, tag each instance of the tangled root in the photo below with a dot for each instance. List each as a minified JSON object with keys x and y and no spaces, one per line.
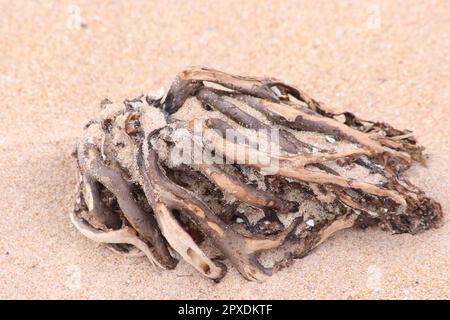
{"x":141,"y":193}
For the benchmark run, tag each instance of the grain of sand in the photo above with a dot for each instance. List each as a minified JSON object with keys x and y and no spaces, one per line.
{"x":383,"y":60}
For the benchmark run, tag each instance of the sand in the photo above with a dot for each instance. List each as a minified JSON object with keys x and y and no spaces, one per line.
{"x":383,"y":60}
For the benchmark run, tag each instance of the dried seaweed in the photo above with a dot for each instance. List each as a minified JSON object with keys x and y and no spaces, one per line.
{"x":325,"y":172}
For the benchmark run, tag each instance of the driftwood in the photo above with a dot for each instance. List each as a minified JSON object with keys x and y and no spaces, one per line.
{"x":322,"y":172}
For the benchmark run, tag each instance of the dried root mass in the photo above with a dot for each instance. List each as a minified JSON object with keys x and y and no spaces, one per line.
{"x":140,"y":196}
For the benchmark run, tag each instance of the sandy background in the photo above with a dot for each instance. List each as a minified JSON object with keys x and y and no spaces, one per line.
{"x":381,"y":59}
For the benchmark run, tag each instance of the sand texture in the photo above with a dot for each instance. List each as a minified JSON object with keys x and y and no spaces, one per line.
{"x":382,"y":60}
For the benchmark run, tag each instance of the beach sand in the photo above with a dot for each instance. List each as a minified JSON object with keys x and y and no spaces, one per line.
{"x":383,"y":60}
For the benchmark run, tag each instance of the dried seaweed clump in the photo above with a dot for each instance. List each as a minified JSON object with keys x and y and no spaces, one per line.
{"x":247,"y":170}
